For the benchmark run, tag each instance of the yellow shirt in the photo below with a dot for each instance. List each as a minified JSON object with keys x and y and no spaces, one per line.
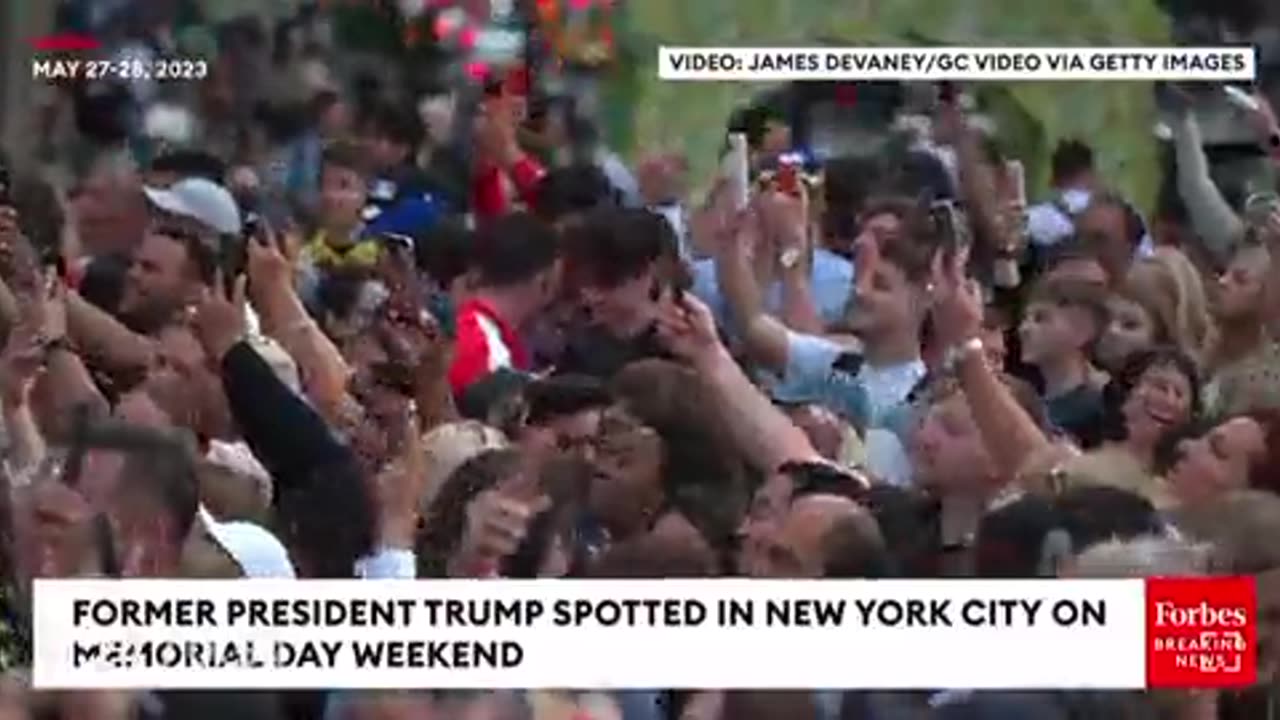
{"x":363,"y":254}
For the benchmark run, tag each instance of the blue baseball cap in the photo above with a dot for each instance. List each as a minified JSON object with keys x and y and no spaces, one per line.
{"x":411,"y":216}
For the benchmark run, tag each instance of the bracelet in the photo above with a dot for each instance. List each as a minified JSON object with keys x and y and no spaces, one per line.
{"x":52,"y":345}
{"x":956,"y":353}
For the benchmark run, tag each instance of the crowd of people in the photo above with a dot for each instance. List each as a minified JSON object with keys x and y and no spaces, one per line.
{"x":397,"y":342}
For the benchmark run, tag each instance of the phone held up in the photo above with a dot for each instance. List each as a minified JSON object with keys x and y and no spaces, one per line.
{"x":235,"y":250}
{"x":948,"y":225}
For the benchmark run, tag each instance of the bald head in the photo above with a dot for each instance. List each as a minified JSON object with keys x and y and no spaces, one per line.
{"x":824,"y":533}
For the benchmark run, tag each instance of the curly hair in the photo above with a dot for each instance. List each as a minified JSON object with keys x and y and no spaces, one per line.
{"x":446,"y":518}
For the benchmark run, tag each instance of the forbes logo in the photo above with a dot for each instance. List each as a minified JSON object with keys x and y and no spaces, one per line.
{"x":1201,"y":632}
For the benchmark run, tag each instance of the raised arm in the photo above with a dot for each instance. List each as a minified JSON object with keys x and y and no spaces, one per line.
{"x":1211,"y":215}
{"x":1009,"y":433}
{"x":979,"y":188}
{"x":786,"y":218}
{"x":284,"y":318}
{"x":758,"y":428}
{"x":764,"y":336}
{"x":312,"y":470}
{"x":104,"y":339}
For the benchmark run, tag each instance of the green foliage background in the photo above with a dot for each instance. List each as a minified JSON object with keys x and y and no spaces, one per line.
{"x":1116,"y":118}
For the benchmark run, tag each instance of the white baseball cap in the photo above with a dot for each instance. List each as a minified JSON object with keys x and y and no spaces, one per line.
{"x":204,"y":201}
{"x":258,"y":553}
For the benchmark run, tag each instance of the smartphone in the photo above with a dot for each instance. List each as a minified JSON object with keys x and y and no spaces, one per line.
{"x":233,"y":260}
{"x":1018,"y":178}
{"x":1241,"y":99}
{"x":948,"y":226}
{"x":736,"y":170}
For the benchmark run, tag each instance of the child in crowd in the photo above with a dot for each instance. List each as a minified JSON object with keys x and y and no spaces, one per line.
{"x":1063,"y":319}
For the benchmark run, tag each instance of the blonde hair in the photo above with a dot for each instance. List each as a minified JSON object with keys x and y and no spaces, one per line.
{"x":1169,"y":287}
{"x":449,"y":446}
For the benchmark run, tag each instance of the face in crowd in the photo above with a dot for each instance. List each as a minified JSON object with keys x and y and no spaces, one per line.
{"x":343,"y":196}
{"x":1216,"y":462}
{"x":1238,"y":296}
{"x":947,"y":452}
{"x":784,"y":537}
{"x":164,"y":276}
{"x":626,"y":486}
{"x":1131,"y":329}
{"x":1109,"y":223}
{"x":1049,"y":331}
{"x":884,"y":300}
{"x":1160,"y":402}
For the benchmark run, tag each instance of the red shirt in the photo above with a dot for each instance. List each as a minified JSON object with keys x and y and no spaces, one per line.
{"x":490,"y":194}
{"x":484,"y":343}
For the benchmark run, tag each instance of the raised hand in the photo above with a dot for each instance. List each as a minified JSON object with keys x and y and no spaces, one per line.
{"x":399,"y":487}
{"x":496,"y":526}
{"x":54,"y":530}
{"x":688,"y":328}
{"x":21,"y":363}
{"x":956,"y":299}
{"x":268,"y":268}
{"x":219,"y":319}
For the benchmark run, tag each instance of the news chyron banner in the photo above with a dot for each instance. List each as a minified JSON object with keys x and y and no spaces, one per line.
{"x":1215,"y":64}
{"x":682,"y":634}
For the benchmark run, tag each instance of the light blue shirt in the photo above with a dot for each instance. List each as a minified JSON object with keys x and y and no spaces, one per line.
{"x":831,"y":280}
{"x":811,"y":359}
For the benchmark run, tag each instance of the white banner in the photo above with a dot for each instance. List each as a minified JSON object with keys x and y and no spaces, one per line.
{"x":1220,"y":64}
{"x":589,"y":634}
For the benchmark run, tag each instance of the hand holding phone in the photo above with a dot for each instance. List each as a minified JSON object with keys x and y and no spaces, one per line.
{"x":1017,"y":178}
{"x":736,"y":171}
{"x":948,"y":227}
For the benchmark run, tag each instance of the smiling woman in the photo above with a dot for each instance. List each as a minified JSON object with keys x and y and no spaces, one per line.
{"x":1156,"y":393}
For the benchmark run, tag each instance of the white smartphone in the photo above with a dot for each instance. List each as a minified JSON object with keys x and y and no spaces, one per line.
{"x":736,"y":171}
{"x":1018,"y":178}
{"x":1241,"y":99}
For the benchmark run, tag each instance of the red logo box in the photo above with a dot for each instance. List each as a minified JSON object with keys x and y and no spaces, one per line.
{"x":1202,"y":632}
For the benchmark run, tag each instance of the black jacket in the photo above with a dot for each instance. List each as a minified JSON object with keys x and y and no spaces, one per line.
{"x":323,"y":509}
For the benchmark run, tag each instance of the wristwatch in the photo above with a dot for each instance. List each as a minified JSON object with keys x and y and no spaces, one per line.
{"x":789,"y":258}
{"x":956,"y":353}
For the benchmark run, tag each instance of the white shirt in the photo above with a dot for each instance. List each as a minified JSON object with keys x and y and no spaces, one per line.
{"x":1046,"y":223}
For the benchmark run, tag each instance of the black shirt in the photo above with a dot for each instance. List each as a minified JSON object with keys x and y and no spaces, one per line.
{"x":594,"y":351}
{"x":103,"y":281}
{"x":1078,"y":412}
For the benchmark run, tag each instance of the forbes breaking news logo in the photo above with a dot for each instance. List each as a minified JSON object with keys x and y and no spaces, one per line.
{"x":1201,"y":633}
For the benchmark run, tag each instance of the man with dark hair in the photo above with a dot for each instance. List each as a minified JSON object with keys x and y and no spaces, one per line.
{"x":619,"y":262}
{"x":563,"y":413}
{"x":170,"y":270}
{"x":517,"y":277}
{"x":566,"y":193}
{"x":1050,"y":222}
{"x":397,"y":133}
